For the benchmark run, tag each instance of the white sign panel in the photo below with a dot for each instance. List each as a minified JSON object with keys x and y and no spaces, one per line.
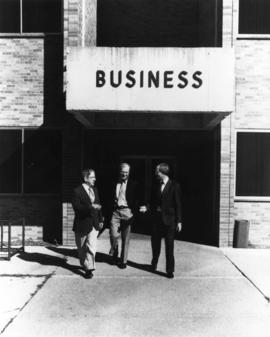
{"x":150,"y":79}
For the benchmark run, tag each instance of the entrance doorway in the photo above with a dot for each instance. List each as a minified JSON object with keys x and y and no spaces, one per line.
{"x":194,"y":158}
{"x":142,"y":170}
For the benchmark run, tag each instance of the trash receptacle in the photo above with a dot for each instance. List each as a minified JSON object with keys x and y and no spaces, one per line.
{"x":241,"y":233}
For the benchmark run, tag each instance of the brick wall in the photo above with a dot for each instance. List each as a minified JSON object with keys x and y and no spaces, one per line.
{"x":68,"y":216}
{"x":72,"y":162}
{"x":252,"y":84}
{"x":33,"y":235}
{"x":21,"y":81}
{"x":253,"y":112}
{"x":258,"y":214}
{"x":226,"y":218}
{"x":227,"y":162}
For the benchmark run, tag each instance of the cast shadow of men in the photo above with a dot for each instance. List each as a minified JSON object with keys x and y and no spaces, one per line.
{"x":51,"y":260}
{"x":145,"y":267}
{"x":100,"y":257}
{"x":106,"y":258}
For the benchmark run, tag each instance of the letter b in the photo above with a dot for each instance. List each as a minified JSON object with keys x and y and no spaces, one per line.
{"x":100,"y":78}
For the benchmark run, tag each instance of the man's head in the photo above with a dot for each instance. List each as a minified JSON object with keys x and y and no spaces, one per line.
{"x":124,"y":171}
{"x":89,"y":177}
{"x":162,"y":171}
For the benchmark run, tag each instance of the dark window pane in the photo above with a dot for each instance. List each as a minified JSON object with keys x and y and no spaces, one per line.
{"x":159,"y":23}
{"x":9,"y":16}
{"x":10,"y":161}
{"x":42,"y":161}
{"x":254,"y":16}
{"x":253,"y":164}
{"x":42,"y":16}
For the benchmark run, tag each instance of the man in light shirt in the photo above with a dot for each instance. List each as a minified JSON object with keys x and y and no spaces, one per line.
{"x":88,"y":220}
{"x":124,"y":206}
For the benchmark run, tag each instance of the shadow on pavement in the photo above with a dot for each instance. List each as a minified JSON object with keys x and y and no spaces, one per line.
{"x":106,"y":258}
{"x":49,"y":260}
{"x":72,"y":252}
{"x":145,"y":267}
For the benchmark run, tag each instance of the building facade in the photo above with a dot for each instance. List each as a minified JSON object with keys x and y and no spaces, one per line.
{"x":89,"y":83}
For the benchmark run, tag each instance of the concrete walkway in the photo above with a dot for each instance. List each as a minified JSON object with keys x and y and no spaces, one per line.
{"x":214,"y":293}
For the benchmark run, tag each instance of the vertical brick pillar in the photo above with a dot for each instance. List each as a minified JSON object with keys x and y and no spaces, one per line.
{"x":90,"y":23}
{"x":80,"y":20}
{"x":227,"y":181}
{"x":72,"y":158}
{"x":227,"y":165}
{"x":229,"y":23}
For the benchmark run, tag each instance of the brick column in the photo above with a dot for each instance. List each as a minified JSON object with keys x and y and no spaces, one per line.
{"x":72,"y":158}
{"x":227,"y":181}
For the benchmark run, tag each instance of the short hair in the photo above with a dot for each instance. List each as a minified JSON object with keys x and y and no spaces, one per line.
{"x":86,"y":173}
{"x":163,"y":168}
{"x":124,"y":164}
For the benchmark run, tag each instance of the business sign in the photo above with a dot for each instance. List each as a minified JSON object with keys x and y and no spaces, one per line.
{"x":150,"y":79}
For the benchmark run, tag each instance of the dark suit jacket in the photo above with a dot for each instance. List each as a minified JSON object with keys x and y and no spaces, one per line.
{"x":170,"y":203}
{"x":86,"y":217}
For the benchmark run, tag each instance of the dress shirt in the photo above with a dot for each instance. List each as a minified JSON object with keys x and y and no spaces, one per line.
{"x":163,"y":183}
{"x":89,"y":191}
{"x":121,"y":193}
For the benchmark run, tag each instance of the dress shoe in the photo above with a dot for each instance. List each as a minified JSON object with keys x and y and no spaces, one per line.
{"x":153,"y":266}
{"x":170,"y":275}
{"x":88,"y":274}
{"x":114,"y":261}
{"x":122,"y":265}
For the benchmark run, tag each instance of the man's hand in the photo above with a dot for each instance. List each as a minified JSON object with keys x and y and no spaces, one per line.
{"x":179,"y":227}
{"x":143,"y":209}
{"x":96,"y":206}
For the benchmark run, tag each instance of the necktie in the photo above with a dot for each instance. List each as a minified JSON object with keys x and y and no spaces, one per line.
{"x":91,"y":194}
{"x":121,"y":195}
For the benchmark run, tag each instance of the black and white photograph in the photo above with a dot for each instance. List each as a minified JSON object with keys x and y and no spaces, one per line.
{"x":135,"y":168}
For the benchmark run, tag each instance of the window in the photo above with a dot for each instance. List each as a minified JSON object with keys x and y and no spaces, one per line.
{"x":32,"y":166}
{"x":253,"y":164}
{"x":10,"y":161}
{"x":159,"y":23}
{"x":42,"y":16}
{"x":254,"y":17}
{"x":34,"y":16}
{"x":42,"y":161}
{"x":9,"y":16}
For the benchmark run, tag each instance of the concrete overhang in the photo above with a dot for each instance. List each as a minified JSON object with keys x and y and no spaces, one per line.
{"x":150,"y":88}
{"x":149,"y":120}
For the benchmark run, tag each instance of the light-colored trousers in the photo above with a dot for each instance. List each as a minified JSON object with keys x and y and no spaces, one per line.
{"x":87,"y":248}
{"x":120,"y":225}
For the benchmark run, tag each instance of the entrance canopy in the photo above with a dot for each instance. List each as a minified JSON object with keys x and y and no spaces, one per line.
{"x":198,"y":83}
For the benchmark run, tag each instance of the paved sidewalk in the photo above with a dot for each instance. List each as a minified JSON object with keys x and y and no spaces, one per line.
{"x":254,"y":264}
{"x":215,"y":292}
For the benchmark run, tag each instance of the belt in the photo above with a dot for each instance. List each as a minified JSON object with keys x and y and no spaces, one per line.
{"x":121,"y":207}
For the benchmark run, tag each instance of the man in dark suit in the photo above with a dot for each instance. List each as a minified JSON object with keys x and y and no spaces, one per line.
{"x":124,"y":207}
{"x":165,"y":207}
{"x":88,"y":220}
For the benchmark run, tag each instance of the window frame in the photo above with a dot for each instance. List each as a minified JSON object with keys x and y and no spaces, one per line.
{"x":247,"y":198}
